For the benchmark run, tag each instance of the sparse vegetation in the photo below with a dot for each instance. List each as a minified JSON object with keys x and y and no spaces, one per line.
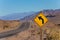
{"x":57,"y":25}
{"x":6,"y":26}
{"x":54,"y":34}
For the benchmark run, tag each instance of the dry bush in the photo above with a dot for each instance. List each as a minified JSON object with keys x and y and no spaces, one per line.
{"x":6,"y":25}
{"x":54,"y":34}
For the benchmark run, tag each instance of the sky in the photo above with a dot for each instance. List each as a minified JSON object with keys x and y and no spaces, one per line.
{"x":19,"y":6}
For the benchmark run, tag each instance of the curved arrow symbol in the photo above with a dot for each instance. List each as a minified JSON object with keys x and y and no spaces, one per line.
{"x":40,"y":18}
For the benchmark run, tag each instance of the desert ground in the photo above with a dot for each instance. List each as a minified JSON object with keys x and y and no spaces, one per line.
{"x":50,"y":30}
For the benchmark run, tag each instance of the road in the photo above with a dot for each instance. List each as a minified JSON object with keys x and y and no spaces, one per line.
{"x":21,"y":28}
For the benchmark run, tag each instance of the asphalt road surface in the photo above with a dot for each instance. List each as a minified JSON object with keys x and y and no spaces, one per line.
{"x":21,"y":28}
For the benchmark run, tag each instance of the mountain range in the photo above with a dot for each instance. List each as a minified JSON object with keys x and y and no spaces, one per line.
{"x":16,"y":16}
{"x":29,"y":15}
{"x":12,"y":21}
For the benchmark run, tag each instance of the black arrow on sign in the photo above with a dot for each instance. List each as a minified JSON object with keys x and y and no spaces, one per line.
{"x":40,"y":18}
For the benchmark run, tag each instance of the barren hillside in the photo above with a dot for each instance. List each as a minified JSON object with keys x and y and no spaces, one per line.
{"x":50,"y":30}
{"x":6,"y":25}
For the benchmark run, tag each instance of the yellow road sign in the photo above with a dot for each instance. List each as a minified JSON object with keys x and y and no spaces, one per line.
{"x":40,"y":19}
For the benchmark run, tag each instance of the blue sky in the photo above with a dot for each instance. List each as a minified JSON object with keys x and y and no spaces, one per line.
{"x":18,"y":6}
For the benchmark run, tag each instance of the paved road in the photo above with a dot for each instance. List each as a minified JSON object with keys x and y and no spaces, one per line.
{"x":23,"y":27}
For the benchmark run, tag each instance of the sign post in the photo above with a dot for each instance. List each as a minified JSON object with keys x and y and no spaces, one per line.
{"x":40,"y":19}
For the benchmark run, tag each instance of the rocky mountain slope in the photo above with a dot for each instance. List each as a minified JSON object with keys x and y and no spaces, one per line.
{"x":50,"y":30}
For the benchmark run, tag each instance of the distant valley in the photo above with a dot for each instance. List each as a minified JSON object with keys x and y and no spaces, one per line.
{"x":29,"y":29}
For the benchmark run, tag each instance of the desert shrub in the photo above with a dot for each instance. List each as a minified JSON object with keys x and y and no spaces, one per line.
{"x":5,"y":26}
{"x":58,"y":24}
{"x":54,"y":35}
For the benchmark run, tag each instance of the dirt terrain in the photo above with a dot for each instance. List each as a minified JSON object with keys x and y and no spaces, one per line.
{"x":50,"y":30}
{"x":33,"y":32}
{"x":6,"y":25}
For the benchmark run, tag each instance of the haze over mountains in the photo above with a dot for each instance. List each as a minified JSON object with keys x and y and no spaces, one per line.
{"x":16,"y":16}
{"x":47,"y":13}
{"x":33,"y":32}
{"x":28,"y":15}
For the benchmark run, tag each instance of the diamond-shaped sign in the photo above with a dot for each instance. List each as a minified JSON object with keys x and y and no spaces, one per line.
{"x":40,"y":19}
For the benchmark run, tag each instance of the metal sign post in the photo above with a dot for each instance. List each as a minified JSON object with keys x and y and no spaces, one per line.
{"x":40,"y":19}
